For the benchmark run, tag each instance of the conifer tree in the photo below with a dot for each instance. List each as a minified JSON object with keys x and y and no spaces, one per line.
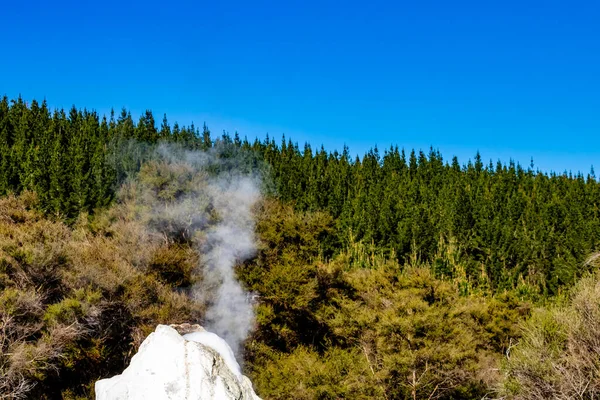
{"x":6,"y":142}
{"x":59,"y":166}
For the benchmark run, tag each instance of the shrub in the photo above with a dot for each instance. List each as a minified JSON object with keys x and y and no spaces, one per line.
{"x":76,"y":301}
{"x":371,"y":329}
{"x":559,"y":354}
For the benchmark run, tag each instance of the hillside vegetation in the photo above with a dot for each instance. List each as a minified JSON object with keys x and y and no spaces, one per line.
{"x":77,"y":300}
{"x":395,"y":276}
{"x":502,"y":222}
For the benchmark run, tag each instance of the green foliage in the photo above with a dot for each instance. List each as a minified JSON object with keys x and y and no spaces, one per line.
{"x":306,"y":374}
{"x":508,"y":225}
{"x":66,"y":312}
{"x":363,"y":326}
{"x":512,"y":225}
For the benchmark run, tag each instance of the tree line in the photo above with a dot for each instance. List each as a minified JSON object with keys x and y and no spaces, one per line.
{"x":499,"y":225}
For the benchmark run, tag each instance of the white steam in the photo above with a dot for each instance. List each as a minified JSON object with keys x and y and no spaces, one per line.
{"x":231,"y":314}
{"x":199,"y":197}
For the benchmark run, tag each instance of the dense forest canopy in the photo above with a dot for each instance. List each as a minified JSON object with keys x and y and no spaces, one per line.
{"x":500,"y":225}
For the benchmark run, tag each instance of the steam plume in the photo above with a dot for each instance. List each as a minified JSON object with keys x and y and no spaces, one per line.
{"x":208,"y":200}
{"x":231,"y":315}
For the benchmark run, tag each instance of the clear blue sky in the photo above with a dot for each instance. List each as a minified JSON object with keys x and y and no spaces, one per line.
{"x":513,"y":79}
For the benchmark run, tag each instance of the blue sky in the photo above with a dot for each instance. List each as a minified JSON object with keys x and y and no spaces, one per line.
{"x":513,"y":79}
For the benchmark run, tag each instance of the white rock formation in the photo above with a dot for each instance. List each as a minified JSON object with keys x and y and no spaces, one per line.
{"x":197,"y":366}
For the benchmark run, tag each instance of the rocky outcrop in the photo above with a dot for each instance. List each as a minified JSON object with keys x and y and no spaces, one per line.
{"x":169,"y":366}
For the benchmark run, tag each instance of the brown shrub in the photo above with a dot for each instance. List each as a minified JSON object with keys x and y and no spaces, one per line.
{"x":559,"y":354}
{"x":75,"y":301}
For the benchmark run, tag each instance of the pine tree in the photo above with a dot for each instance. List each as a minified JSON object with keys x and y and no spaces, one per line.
{"x":6,"y":142}
{"x":165,"y":129}
{"x":59,"y":166}
{"x":206,"y":140}
{"x":43,"y":150}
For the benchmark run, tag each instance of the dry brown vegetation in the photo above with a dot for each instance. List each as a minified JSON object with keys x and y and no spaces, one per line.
{"x":559,"y":354}
{"x":76,"y":301}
